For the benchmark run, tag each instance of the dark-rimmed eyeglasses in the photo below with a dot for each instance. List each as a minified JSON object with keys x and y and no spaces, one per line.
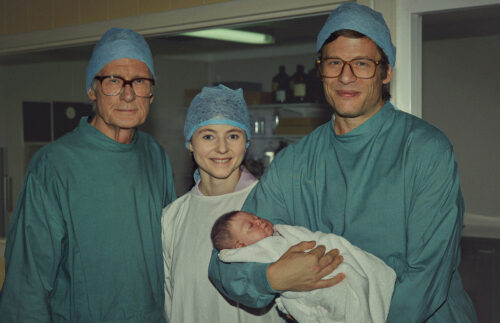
{"x":363,"y":68}
{"x":113,"y":85}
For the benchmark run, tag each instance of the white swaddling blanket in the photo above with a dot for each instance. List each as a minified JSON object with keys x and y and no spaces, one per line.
{"x":363,"y":296}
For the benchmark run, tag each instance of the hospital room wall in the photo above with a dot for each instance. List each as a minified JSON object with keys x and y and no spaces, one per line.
{"x":65,"y":81}
{"x":39,"y":82}
{"x":166,"y":121}
{"x":462,"y":98}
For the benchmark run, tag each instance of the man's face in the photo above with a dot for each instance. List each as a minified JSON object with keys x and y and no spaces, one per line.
{"x":123,"y":111}
{"x":352,"y":97}
{"x":248,"y":228}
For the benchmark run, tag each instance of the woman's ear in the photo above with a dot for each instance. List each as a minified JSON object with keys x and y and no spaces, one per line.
{"x":190,"y":146}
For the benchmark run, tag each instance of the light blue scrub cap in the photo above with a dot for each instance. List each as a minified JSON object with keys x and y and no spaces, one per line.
{"x":118,"y":43}
{"x":217,"y":105}
{"x":362,"y":19}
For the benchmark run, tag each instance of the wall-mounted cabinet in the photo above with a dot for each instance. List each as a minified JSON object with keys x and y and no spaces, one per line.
{"x":44,"y":122}
{"x":479,"y":269}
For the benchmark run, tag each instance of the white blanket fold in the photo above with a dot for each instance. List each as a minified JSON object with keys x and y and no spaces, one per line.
{"x":363,"y":296}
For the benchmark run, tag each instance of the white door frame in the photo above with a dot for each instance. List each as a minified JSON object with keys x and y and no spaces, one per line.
{"x":407,"y":83}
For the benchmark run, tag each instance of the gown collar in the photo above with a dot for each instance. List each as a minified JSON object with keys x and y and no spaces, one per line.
{"x":97,"y":138}
{"x":370,"y":126}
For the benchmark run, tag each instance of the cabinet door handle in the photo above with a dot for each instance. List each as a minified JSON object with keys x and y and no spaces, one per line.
{"x":486,"y":251}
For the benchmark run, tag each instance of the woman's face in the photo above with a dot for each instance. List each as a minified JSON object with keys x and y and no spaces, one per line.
{"x":218,"y":150}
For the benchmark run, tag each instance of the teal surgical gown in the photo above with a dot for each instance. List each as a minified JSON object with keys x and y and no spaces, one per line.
{"x":390,"y":187}
{"x":84,"y":244}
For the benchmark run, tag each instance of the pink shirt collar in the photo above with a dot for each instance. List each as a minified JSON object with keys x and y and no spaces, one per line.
{"x":246,"y":179}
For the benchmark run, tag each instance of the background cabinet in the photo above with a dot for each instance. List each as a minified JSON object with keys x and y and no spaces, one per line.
{"x":480,"y":269}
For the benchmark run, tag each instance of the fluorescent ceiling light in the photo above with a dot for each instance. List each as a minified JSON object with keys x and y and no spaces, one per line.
{"x":239,"y":36}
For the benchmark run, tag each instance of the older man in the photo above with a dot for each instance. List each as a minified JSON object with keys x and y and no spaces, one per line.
{"x":85,"y":241}
{"x":385,"y":180}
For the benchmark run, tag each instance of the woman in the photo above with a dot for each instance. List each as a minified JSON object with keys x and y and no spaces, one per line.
{"x":217,"y":132}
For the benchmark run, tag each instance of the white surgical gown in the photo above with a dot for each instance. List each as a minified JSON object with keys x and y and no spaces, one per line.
{"x":189,"y":295}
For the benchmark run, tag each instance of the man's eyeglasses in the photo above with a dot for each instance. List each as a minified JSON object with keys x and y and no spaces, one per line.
{"x":114,"y":85}
{"x":363,"y":68}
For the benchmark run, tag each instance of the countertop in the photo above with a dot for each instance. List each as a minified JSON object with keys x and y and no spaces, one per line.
{"x":480,"y":226}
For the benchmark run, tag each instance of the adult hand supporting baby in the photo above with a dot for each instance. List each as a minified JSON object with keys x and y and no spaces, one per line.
{"x":298,"y":270}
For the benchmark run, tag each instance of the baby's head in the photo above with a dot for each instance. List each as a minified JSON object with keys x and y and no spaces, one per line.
{"x":238,"y":229}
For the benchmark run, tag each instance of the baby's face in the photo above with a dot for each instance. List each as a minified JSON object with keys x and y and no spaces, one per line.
{"x":248,"y":228}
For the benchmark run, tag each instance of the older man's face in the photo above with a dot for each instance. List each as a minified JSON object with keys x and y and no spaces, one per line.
{"x":125,"y":111}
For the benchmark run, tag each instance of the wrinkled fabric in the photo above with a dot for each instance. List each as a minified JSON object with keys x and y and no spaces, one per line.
{"x":363,"y":296}
{"x":84,"y":244}
{"x":114,"y":44}
{"x":390,"y":187}
{"x":362,"y":19}
{"x":189,"y":295}
{"x":217,"y":105}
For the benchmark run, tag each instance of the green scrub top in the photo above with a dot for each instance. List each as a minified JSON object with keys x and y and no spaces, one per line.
{"x":84,"y":244}
{"x":390,"y":187}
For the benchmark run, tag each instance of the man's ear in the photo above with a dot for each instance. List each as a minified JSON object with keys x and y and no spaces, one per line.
{"x":91,"y":94}
{"x":388,"y":78}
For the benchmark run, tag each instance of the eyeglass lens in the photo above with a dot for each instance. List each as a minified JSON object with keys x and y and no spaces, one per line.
{"x":361,"y":68}
{"x":113,"y":85}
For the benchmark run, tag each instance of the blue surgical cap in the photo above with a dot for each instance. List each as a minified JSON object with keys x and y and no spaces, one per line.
{"x":217,"y":105}
{"x":362,"y":19}
{"x":118,"y":43}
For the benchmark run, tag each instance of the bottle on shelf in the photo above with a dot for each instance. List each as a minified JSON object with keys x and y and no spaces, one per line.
{"x":280,"y":86}
{"x":298,"y":85}
{"x":268,"y":154}
{"x":314,"y":86}
{"x":258,"y":125}
{"x":276,"y":121}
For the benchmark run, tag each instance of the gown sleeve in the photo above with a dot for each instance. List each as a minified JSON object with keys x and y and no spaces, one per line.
{"x":167,"y":237}
{"x":246,"y":283}
{"x":433,"y":234}
{"x":33,"y":253}
{"x":171,"y":194}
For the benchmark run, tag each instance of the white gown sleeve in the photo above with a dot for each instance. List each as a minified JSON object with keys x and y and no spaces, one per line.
{"x":167,"y":237}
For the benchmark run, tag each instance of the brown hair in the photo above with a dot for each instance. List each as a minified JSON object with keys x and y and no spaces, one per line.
{"x":384,"y":62}
{"x":220,"y":234}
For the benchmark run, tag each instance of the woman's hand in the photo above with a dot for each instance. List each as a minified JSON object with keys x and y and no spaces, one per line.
{"x":298,"y":270}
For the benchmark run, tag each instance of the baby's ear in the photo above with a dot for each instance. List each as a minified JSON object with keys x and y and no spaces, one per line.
{"x":239,"y":244}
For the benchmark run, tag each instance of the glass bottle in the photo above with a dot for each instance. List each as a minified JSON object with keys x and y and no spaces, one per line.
{"x":298,"y":84}
{"x":268,"y":154}
{"x":314,"y":86}
{"x":280,"y":86}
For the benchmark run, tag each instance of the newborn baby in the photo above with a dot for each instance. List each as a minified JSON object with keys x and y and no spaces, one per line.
{"x":363,"y":296}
